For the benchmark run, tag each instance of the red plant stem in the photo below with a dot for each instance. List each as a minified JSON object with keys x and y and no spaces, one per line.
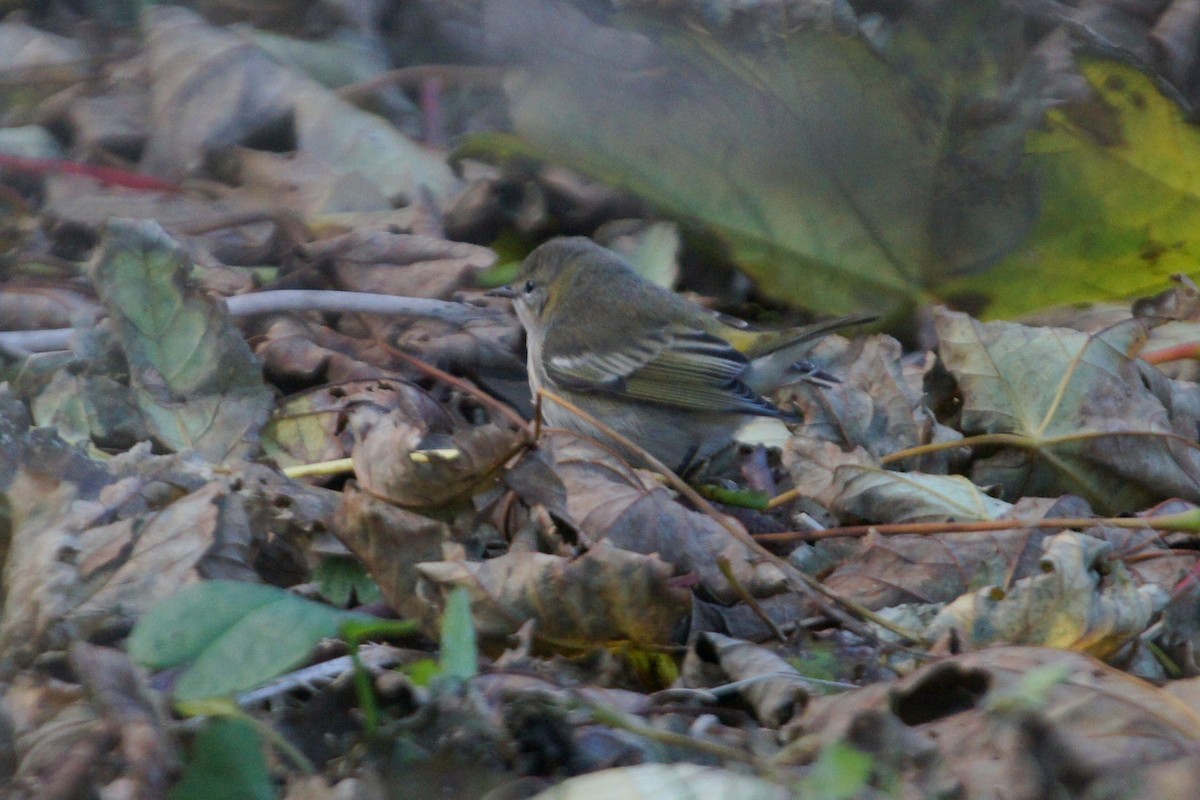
{"x":112,"y":175}
{"x":1175,"y":353}
{"x":1182,"y":522}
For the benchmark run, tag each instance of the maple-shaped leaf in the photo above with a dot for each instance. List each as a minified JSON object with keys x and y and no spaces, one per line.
{"x":1073,"y":412}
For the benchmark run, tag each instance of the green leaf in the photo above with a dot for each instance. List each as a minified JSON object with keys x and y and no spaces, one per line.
{"x":180,"y":628}
{"x":460,"y":653}
{"x":235,"y":636}
{"x":340,"y":579}
{"x":226,"y":763}
{"x":916,"y":167}
{"x":195,"y":381}
{"x":841,"y":174}
{"x":841,"y":772}
{"x":1120,"y":179}
{"x":422,"y":672}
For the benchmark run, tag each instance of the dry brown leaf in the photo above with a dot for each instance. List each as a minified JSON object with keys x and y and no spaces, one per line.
{"x":401,"y":264}
{"x":42,"y":62}
{"x":391,"y":542}
{"x":1081,"y":415}
{"x":292,"y":351}
{"x":884,"y":571}
{"x":128,"y":565}
{"x":301,"y":184}
{"x":881,"y":495}
{"x":606,"y":595}
{"x":148,"y":758}
{"x":66,"y":743}
{"x":80,"y":567}
{"x":1170,"y":780}
{"x":211,"y":87}
{"x":197,"y":72}
{"x":88,"y":202}
{"x":773,"y":687}
{"x":407,"y":462}
{"x":113,"y":121}
{"x":56,"y":734}
{"x":1096,"y":718}
{"x":310,"y":427}
{"x":40,"y":579}
{"x":1082,"y":600}
{"x":604,"y":499}
{"x":488,"y":347}
{"x":30,"y":306}
{"x":813,"y":464}
{"x":878,"y":405}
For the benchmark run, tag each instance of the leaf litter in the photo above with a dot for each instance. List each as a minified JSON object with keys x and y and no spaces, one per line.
{"x":622,"y":636}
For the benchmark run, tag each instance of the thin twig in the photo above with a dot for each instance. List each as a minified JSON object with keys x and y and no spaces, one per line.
{"x":750,"y":601}
{"x":256,"y":303}
{"x":466,"y":388}
{"x":23,"y":343}
{"x":412,"y":77}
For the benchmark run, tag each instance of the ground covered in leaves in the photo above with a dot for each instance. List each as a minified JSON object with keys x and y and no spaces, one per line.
{"x":277,"y":524}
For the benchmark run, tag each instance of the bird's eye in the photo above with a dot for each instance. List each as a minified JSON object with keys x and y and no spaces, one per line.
{"x":529,"y":286}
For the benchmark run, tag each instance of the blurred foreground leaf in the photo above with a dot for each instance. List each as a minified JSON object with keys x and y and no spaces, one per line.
{"x":842,"y":176}
{"x":1120,"y":179}
{"x":665,"y":782}
{"x":460,"y":653}
{"x":884,"y":173}
{"x":234,"y":635}
{"x":226,"y":762}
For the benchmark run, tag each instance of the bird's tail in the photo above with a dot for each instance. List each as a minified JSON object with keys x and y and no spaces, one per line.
{"x":779,"y":360}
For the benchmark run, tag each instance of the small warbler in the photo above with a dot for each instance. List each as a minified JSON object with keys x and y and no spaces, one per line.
{"x":675,"y":377}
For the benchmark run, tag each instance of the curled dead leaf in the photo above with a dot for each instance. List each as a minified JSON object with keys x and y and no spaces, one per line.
{"x":391,"y":541}
{"x":1082,"y":600}
{"x":772,"y":686}
{"x":405,"y":462}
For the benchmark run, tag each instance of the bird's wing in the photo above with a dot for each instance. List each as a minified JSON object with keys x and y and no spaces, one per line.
{"x":675,"y":366}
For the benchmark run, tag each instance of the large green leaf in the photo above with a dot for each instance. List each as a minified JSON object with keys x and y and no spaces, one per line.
{"x":849,"y":173}
{"x":1121,"y":201}
{"x":839,"y":180}
{"x":842,"y":175}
